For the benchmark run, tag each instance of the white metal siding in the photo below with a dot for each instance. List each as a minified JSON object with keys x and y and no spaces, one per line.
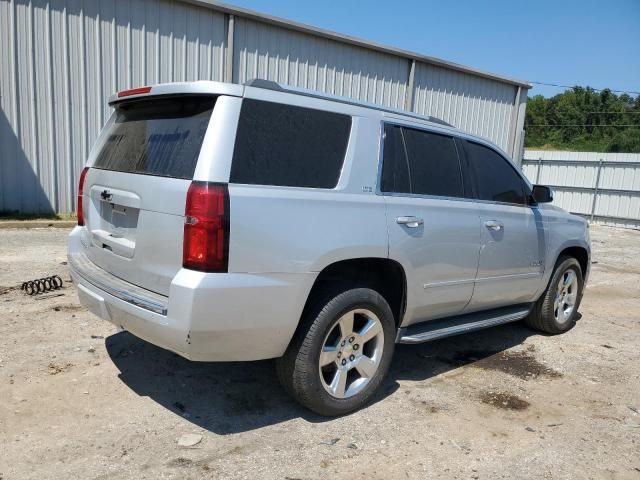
{"x":574,"y":176}
{"x":480,"y":106}
{"x":61,"y":59}
{"x":301,"y":60}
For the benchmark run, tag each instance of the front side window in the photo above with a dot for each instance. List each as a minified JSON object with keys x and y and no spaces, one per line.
{"x":285,"y":145}
{"x":420,"y":162}
{"x":496,"y":180}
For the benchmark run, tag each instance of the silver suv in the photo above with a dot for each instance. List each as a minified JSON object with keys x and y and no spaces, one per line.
{"x":244,"y":222}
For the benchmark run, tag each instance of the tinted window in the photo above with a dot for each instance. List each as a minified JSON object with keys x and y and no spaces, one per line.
{"x":415,"y":161}
{"x":433,"y":163}
{"x":284,"y":145}
{"x":395,"y":167}
{"x":496,"y":179}
{"x":157,"y":136}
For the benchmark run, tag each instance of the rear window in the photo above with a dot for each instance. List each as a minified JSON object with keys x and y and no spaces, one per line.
{"x":157,"y":136}
{"x":283,"y":145}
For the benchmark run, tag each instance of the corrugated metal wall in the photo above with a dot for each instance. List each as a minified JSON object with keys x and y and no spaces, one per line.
{"x":60,"y":62}
{"x":301,"y":60}
{"x":61,"y":59}
{"x":477,"y":105}
{"x":604,"y":187}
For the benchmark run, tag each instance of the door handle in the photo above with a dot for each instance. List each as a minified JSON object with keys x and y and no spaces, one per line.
{"x":494,"y":225}
{"x":411,"y":222}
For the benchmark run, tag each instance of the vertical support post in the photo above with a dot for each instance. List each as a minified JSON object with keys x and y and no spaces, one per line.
{"x":15,"y":196}
{"x":408,"y":98}
{"x":517,"y":142}
{"x":513,"y":126}
{"x":228,"y":60}
{"x":595,"y":191}
{"x":54,"y":158}
{"x":538,"y":171}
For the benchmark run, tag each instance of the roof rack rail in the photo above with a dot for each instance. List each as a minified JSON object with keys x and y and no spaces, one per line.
{"x":262,"y":83}
{"x":271,"y":85}
{"x":436,"y":120}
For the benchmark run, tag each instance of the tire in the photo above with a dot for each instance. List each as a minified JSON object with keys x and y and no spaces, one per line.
{"x":320,"y":388}
{"x":548,"y":317}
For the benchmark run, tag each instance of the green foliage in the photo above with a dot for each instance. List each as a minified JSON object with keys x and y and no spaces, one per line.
{"x":582,"y":119}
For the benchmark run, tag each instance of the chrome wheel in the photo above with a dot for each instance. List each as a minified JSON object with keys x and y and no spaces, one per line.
{"x":566,"y":296}
{"x":351,"y":353}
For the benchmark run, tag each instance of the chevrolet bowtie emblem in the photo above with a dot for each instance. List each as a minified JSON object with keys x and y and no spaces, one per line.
{"x":105,"y":195}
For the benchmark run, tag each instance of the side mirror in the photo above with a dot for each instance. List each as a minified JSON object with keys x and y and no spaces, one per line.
{"x":542,"y":194}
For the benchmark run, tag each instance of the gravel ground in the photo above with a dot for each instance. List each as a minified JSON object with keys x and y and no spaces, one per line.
{"x":79,"y":400}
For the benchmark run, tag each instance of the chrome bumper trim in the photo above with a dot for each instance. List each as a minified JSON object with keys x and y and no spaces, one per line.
{"x":91,"y":273}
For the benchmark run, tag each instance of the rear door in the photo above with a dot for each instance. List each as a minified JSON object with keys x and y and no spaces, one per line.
{"x":136,"y":187}
{"x":513,"y":236}
{"x":434,"y":232}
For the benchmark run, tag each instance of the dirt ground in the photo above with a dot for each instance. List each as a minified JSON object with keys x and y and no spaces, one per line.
{"x":79,"y":400}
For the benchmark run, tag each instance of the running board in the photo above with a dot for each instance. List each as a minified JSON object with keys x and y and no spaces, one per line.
{"x":446,"y":327}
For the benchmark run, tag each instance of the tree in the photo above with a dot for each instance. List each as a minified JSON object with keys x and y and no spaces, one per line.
{"x":585,"y":120}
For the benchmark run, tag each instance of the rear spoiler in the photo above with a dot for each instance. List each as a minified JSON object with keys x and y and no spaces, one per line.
{"x":202,"y":87}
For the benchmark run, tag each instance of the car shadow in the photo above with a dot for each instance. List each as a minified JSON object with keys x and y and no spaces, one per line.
{"x":233,"y":397}
{"x":423,"y":361}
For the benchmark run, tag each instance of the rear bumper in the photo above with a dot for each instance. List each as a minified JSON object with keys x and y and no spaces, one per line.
{"x":206,"y":317}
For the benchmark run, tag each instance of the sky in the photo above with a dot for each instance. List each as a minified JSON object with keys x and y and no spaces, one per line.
{"x":566,"y":42}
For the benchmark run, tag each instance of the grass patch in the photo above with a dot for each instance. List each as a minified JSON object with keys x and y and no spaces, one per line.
{"x":17,"y":216}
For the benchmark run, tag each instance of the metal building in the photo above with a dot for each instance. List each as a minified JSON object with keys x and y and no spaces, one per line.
{"x":61,"y":59}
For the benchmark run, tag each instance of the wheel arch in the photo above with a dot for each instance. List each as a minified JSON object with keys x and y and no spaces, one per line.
{"x":384,"y":275}
{"x":580,"y":253}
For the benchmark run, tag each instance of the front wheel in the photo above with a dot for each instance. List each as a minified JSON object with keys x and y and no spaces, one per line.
{"x":341,"y":352}
{"x":555,"y":312}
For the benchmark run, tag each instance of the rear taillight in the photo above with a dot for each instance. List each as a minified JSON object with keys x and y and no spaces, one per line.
{"x":206,"y":228}
{"x":80,"y":193}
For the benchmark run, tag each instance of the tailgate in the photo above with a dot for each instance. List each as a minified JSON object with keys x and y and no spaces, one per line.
{"x":135,"y":191}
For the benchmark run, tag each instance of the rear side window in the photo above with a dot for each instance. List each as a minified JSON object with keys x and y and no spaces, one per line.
{"x":420,"y":162}
{"x":434,"y":164}
{"x":395,"y":167}
{"x":284,"y":145}
{"x":157,"y":136}
{"x":495,"y":178}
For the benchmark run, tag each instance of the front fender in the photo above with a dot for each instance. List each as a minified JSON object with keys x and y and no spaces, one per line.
{"x":566,"y":232}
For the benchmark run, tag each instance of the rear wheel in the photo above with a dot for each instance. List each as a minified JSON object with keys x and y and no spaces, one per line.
{"x":341,"y":353}
{"x":556,"y":311}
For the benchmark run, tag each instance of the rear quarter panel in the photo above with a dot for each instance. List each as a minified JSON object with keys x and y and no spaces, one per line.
{"x":298,"y":230}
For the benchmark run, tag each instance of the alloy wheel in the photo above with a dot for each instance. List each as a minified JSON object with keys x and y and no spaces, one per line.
{"x":351,"y":353}
{"x":566,"y":296}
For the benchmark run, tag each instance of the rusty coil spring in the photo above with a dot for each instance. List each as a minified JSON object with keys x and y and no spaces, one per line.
{"x":41,"y":285}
